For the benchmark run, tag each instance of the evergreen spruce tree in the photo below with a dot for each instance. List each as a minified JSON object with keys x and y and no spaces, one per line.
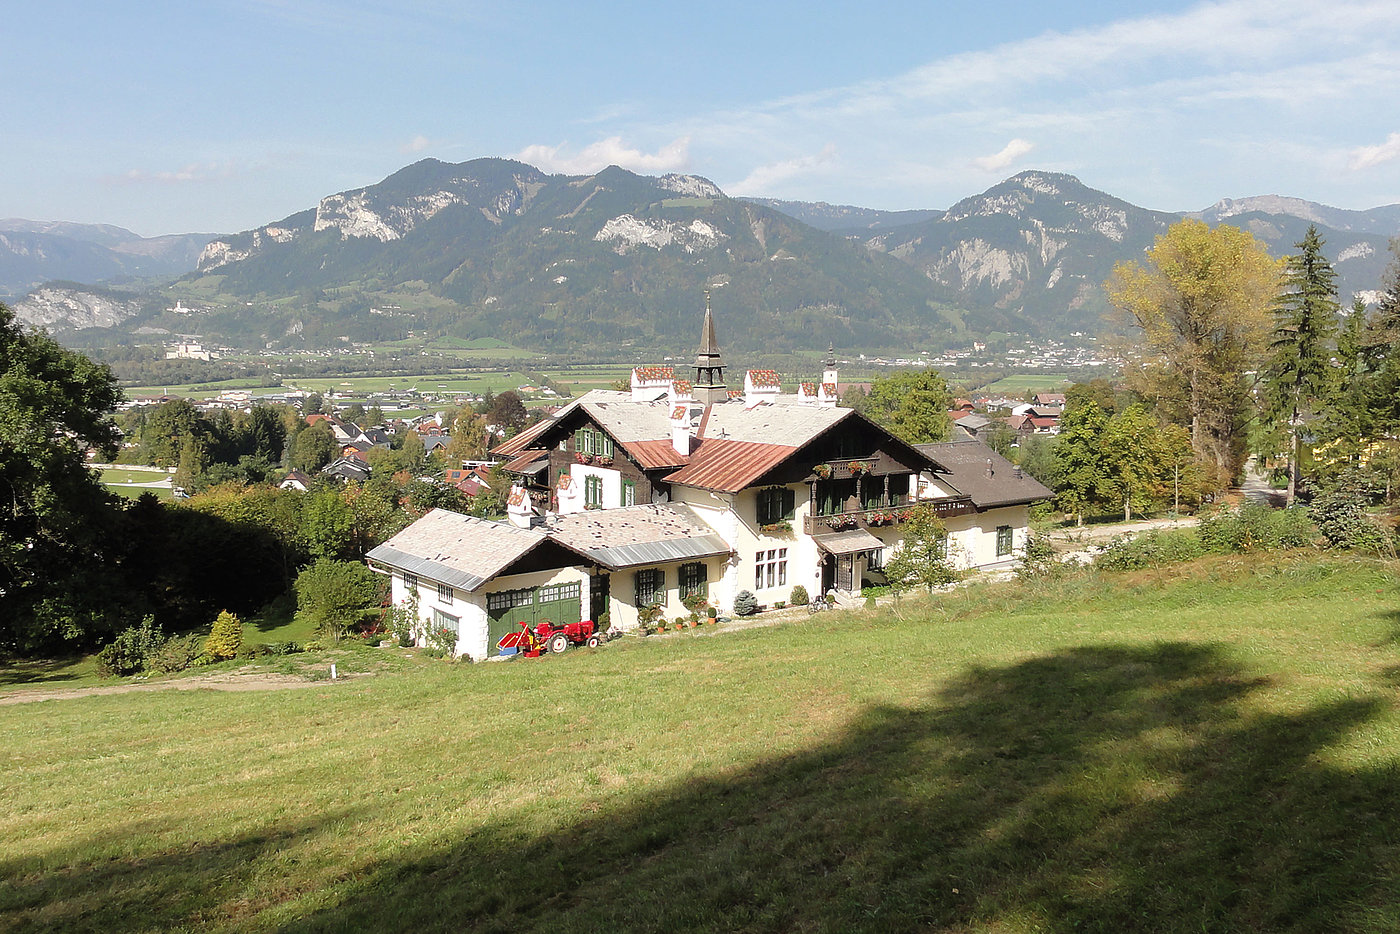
{"x":1382,"y":355}
{"x":1300,"y":378}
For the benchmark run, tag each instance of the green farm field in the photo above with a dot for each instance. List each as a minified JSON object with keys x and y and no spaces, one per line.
{"x":1031,"y":383}
{"x":1213,"y":747}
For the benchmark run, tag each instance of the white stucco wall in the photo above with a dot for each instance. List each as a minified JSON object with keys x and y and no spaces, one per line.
{"x":622,"y":614}
{"x":735,"y":518}
{"x":573,"y":500}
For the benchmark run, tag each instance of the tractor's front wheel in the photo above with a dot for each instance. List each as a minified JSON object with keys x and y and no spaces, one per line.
{"x":593,"y":642}
{"x":558,"y":643}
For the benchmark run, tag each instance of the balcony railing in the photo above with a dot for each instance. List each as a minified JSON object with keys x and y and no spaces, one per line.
{"x":877,"y":517}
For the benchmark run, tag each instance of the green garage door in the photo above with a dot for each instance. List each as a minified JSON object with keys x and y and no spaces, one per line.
{"x":505,"y":611}
{"x":559,"y":603}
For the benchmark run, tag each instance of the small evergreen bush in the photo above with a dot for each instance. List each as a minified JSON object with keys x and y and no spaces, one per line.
{"x":225,"y":637}
{"x":745,"y":603}
{"x":1341,"y":518}
{"x":799,"y":596}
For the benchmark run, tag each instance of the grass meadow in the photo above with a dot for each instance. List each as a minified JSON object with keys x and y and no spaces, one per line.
{"x":1212,"y":747}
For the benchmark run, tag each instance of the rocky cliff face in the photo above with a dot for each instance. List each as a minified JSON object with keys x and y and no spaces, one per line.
{"x":58,"y":307}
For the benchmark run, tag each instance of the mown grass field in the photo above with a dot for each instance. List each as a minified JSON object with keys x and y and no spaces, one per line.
{"x":1215,"y":747}
{"x":127,"y":482}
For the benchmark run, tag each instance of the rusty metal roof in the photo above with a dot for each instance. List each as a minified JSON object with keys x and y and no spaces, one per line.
{"x":728,"y":465}
{"x":529,"y":461}
{"x":650,"y":455}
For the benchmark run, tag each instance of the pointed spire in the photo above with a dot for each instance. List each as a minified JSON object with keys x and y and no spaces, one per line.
{"x":709,"y":368}
{"x":831,"y":355}
{"x":709,"y":345}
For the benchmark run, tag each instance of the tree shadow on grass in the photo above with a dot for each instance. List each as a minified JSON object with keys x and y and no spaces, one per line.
{"x":1102,"y":789}
{"x":36,"y":670}
{"x":206,"y":885}
{"x":1096,"y":789}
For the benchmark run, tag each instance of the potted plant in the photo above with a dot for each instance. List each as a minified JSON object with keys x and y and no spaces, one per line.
{"x":780,"y":526}
{"x":822,"y":470}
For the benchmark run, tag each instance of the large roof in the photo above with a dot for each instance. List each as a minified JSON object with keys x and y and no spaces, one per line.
{"x":463,"y":551}
{"x":633,"y":536}
{"x":727,"y":465}
{"x":991,"y":480}
{"x":773,"y":422}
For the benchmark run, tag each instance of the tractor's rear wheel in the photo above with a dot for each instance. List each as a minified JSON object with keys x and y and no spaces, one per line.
{"x":558,"y":643}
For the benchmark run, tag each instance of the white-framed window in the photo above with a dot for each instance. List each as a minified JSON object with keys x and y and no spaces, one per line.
{"x":445,"y":593}
{"x":770,"y":568}
{"x":1004,"y":539}
{"x":593,"y":441}
{"x":629,"y":493}
{"x":447,"y":621}
{"x":593,"y":492}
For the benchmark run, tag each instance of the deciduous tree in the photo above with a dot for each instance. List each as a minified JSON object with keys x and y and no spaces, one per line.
{"x":54,"y":406}
{"x":1197,"y":311}
{"x":912,"y":405}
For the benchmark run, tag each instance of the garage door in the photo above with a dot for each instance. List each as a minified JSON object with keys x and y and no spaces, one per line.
{"x":505,"y":611}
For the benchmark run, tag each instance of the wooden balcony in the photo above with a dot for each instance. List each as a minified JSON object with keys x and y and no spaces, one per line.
{"x":883,"y":516}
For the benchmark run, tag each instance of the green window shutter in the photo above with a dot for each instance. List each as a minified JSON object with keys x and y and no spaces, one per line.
{"x":789,"y":503}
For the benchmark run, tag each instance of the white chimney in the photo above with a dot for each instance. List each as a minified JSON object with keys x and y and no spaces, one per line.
{"x":519,"y":509}
{"x":681,"y":436}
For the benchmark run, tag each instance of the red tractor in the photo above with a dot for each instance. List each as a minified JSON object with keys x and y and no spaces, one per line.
{"x":549,"y":638}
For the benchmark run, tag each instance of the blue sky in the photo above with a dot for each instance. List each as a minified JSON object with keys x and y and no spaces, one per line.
{"x":222,"y":115}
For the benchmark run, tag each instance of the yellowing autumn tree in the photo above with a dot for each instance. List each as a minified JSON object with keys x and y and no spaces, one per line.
{"x":1198,"y":317}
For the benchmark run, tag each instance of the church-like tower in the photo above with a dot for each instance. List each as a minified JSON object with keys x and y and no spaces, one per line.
{"x":709,"y":368}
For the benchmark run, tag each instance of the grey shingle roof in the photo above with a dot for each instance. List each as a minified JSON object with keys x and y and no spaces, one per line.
{"x":455,"y":549}
{"x":633,"y":536}
{"x":965,"y":466}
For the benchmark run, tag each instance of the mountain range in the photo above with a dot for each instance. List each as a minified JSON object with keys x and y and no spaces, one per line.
{"x":33,"y":253}
{"x":579,"y":264}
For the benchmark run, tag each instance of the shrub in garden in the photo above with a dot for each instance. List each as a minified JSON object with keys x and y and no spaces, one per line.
{"x":745,"y":603}
{"x":334,"y":595}
{"x":1255,"y":527}
{"x":1152,"y":550}
{"x":129,"y":652}
{"x":1341,"y":518}
{"x":225,"y":637}
{"x":799,"y":597}
{"x":178,"y":653}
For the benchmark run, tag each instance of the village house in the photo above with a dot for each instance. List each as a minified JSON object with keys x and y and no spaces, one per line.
{"x":684,"y":489}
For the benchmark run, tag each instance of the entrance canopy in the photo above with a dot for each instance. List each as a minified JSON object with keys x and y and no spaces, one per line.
{"x":848,"y":542}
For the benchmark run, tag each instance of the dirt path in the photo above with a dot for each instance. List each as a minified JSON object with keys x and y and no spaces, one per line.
{"x":226,"y":681}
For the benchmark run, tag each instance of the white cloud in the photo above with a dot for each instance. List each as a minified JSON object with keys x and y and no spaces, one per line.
{"x":1009,"y":154}
{"x":763,"y":179}
{"x":673,"y":157}
{"x":1364,"y":157}
{"x":417,"y":144}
